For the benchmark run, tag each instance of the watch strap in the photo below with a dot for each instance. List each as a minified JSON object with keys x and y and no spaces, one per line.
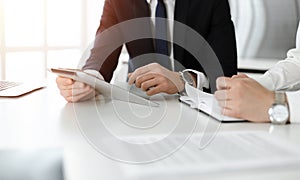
{"x":201,"y":81}
{"x":280,"y":97}
{"x":183,"y":92}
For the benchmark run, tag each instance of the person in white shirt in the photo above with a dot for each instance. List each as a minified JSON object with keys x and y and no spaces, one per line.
{"x":209,"y":18}
{"x":249,"y":99}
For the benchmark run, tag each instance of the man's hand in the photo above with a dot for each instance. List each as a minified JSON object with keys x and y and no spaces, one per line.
{"x":244,"y":98}
{"x":154,"y":79}
{"x":74,"y":91}
{"x":239,"y":75}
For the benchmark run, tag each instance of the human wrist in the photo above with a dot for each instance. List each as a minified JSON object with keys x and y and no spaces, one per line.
{"x":200,"y":79}
{"x":188,"y":77}
{"x":269,"y":101}
{"x":287,"y":103}
{"x":181,"y":83}
{"x":271,"y":97}
{"x":194,"y":78}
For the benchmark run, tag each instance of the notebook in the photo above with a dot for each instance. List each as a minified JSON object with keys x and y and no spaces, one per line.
{"x":205,"y":103}
{"x":15,"y":89}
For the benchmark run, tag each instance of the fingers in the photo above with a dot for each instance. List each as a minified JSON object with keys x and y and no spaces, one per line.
{"x":144,"y":78}
{"x":129,"y":75}
{"x":62,"y":81}
{"x":154,"y":83}
{"x":240,"y":75}
{"x":76,"y":87}
{"x":229,"y":108}
{"x":81,"y":97}
{"x":222,"y":95}
{"x":223,"y":98}
{"x":154,"y":90}
{"x":225,"y":101}
{"x":227,"y":83}
{"x":68,"y":84}
{"x":229,"y":102}
{"x":73,"y":91}
{"x":230,"y":112}
{"x":140,"y":71}
{"x":153,"y":67}
{"x":223,"y":83}
{"x":149,"y":84}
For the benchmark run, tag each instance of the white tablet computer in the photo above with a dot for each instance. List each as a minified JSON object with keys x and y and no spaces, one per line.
{"x":106,"y":89}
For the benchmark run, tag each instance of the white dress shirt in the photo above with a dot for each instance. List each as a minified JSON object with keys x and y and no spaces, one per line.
{"x":285,"y":75}
{"x":170,"y":8}
{"x":202,"y":81}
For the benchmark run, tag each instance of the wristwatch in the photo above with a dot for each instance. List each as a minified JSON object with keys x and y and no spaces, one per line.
{"x":279,"y":111}
{"x":186,"y":77}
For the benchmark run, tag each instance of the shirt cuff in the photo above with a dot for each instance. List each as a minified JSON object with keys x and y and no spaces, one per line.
{"x":95,"y":73}
{"x":202,"y":81}
{"x":266,"y":81}
{"x":293,"y":101}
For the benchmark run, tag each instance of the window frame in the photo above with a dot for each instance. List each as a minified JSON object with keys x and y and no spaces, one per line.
{"x":44,"y":48}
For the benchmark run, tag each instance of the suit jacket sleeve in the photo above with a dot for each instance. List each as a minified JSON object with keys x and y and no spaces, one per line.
{"x":221,"y":37}
{"x":96,"y":61}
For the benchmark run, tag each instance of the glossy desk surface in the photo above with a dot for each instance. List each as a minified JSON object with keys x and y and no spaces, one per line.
{"x":43,"y":119}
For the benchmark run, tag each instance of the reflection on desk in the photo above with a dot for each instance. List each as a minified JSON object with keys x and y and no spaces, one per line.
{"x":44,"y":120}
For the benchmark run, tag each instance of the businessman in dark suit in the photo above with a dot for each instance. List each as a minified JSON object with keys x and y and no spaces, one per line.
{"x":211,"y":19}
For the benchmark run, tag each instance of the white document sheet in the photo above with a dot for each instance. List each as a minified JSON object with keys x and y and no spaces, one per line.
{"x":227,"y":152}
{"x":204,"y":102}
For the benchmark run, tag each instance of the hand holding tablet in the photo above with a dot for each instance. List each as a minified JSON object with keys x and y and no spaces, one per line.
{"x":84,"y":83}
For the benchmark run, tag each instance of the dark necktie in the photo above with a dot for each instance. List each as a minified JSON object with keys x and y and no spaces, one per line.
{"x":161,"y":29}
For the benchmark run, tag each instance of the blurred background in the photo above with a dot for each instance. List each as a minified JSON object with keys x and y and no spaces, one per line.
{"x":38,"y":34}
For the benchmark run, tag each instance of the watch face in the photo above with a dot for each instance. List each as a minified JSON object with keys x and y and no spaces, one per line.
{"x":187,"y":77}
{"x":279,"y":113}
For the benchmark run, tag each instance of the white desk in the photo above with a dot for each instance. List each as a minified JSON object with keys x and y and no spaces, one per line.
{"x":44,"y":120}
{"x":256,"y":64}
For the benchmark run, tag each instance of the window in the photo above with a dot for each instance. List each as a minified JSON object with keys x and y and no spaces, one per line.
{"x":38,"y":34}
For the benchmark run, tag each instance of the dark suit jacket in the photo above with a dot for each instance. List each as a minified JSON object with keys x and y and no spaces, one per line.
{"x":210,"y":18}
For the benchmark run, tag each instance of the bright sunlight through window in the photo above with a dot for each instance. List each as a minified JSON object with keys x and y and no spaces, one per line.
{"x":38,"y":34}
